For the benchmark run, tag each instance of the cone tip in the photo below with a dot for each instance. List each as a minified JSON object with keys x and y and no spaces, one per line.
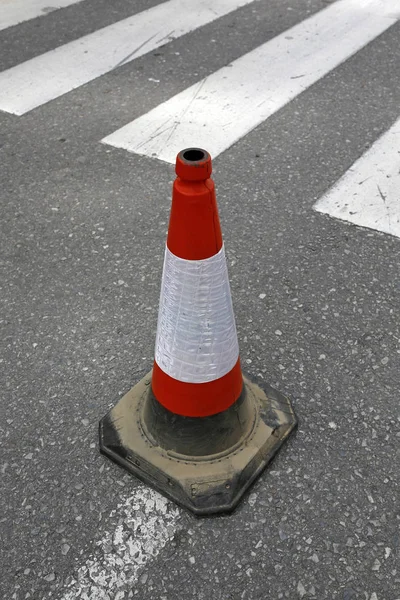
{"x":193,"y":164}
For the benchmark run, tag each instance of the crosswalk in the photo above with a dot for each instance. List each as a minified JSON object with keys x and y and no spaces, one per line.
{"x":215,"y":112}
{"x":220,"y":109}
{"x":225,"y":106}
{"x":368,"y":194}
{"x":46,"y":77}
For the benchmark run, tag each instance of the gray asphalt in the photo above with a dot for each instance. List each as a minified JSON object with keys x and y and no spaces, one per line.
{"x":82,"y":235}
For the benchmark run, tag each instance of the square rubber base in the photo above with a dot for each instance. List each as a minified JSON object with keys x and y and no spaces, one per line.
{"x":203,"y":484}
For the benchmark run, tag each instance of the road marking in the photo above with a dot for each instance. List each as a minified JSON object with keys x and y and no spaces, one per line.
{"x":368,"y":194}
{"x":45,"y":77}
{"x":219,"y":110}
{"x":13,"y":12}
{"x":147,"y":522}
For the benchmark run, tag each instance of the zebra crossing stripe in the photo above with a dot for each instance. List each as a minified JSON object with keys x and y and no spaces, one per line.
{"x":13,"y":12}
{"x":368,"y":193}
{"x":219,"y":110}
{"x":45,"y":77}
{"x":146,"y":523}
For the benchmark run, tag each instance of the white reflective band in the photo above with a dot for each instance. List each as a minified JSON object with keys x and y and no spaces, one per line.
{"x":196,"y":334}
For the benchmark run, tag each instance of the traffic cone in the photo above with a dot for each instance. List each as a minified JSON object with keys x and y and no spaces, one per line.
{"x":194,"y":428}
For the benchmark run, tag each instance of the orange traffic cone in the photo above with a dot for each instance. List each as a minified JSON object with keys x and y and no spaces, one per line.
{"x":197,"y":369}
{"x":194,"y":428}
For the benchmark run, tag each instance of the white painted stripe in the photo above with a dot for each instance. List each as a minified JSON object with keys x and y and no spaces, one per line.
{"x":54,"y":73}
{"x":13,"y":12}
{"x":147,"y":522}
{"x":368,"y":194}
{"x":196,"y":337}
{"x":217,"y":111}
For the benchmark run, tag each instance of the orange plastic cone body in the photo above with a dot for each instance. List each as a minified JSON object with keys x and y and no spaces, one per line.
{"x":194,"y":234}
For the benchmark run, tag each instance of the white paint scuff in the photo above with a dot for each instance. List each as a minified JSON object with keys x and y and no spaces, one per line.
{"x":368,"y":194}
{"x":146,"y":522}
{"x":219,"y":110}
{"x":13,"y":12}
{"x":50,"y":75}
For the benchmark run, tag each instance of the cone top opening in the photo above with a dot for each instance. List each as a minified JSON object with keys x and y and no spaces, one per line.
{"x":193,"y":164}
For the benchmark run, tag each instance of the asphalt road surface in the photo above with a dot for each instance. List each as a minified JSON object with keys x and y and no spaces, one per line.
{"x":298,"y":103}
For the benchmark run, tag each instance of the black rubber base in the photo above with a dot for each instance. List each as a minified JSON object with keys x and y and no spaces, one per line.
{"x":203,"y":464}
